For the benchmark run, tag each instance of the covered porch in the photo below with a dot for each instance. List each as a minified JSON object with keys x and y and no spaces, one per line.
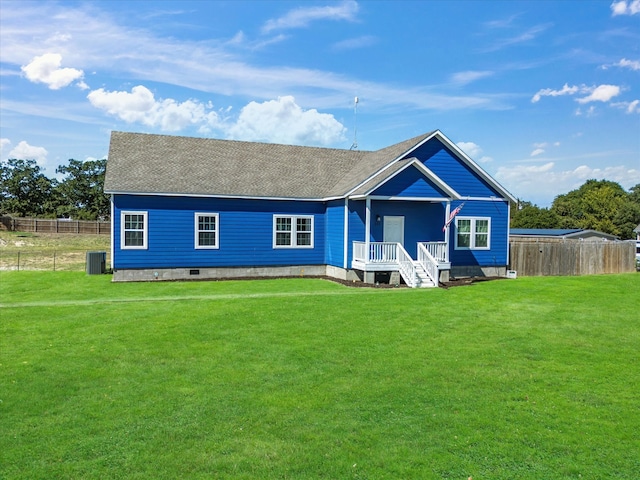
{"x":424,"y":271}
{"x":405,"y":227}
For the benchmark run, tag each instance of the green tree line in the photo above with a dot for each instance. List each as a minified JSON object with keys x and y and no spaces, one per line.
{"x":598,"y":205}
{"x":25,"y":191}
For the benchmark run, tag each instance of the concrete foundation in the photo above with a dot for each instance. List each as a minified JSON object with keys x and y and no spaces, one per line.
{"x":477,"y":271}
{"x":217,"y":273}
{"x":207,"y":273}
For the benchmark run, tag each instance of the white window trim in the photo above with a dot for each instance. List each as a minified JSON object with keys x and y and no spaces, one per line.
{"x":145,"y":230}
{"x":196,"y":222}
{"x":473,"y":233}
{"x":294,"y":236}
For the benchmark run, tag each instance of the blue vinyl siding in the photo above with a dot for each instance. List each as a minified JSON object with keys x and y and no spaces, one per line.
{"x":356,"y":225}
{"x":334,"y":250}
{"x":497,"y":255}
{"x":441,"y":161}
{"x":410,"y":183}
{"x":246,"y":233}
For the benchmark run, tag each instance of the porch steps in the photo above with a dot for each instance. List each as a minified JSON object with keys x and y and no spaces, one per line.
{"x":423,"y":280}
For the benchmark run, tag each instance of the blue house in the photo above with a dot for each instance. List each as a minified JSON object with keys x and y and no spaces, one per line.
{"x":186,"y":208}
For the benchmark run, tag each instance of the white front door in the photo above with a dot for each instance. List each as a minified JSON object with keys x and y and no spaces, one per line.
{"x":393,"y":229}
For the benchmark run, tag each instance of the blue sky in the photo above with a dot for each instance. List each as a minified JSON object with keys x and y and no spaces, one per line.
{"x":542,"y":94}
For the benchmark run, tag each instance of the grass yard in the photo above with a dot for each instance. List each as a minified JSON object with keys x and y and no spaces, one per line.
{"x":534,"y":378}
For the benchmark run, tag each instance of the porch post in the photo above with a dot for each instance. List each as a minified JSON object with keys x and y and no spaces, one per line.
{"x":447,"y":212}
{"x":345,"y":237}
{"x":367,"y":229}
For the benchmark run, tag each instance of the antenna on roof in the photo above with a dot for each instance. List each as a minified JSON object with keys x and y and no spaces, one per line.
{"x":354,"y":145}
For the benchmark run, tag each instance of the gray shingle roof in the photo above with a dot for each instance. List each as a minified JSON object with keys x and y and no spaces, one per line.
{"x":160,"y":164}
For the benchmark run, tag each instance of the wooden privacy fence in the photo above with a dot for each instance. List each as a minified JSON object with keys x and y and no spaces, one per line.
{"x":55,"y":225}
{"x":571,"y":257}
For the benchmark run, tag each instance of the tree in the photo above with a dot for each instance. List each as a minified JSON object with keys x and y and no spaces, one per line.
{"x":599,"y":205}
{"x":528,"y":215}
{"x":81,"y":190}
{"x":24,"y":190}
{"x":628,"y":217}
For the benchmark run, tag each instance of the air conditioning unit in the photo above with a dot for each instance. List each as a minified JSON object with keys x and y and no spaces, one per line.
{"x":96,"y":263}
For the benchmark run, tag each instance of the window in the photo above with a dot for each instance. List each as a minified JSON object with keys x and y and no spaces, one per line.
{"x":206,"y":230}
{"x":473,"y":233}
{"x":133,"y":230}
{"x":292,"y":232}
{"x":206,"y":234}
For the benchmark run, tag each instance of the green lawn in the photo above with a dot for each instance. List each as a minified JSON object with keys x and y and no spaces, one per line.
{"x":534,"y":378}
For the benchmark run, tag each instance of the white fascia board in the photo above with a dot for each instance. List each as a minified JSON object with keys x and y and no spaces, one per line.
{"x":485,"y":199}
{"x":406,"y":199}
{"x":474,"y":166}
{"x":235,"y":197}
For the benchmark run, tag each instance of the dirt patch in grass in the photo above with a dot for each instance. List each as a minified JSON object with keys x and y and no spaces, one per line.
{"x":462,"y":282}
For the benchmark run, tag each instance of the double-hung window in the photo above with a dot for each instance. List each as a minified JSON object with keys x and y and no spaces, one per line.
{"x":473,"y":233}
{"x":133,"y":230}
{"x":292,"y":231}
{"x":207,"y":230}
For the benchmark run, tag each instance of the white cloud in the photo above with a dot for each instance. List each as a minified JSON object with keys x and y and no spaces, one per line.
{"x":470,"y":148}
{"x":46,"y":69}
{"x":464,"y":78}
{"x":303,"y":16}
{"x":211,"y":67}
{"x":523,"y":37}
{"x":625,"y":7}
{"x":590,"y":112}
{"x":4,"y":144}
{"x":279,"y":121}
{"x":141,"y":106}
{"x":624,"y":63}
{"x":537,"y":151}
{"x":542,"y":183}
{"x":283,"y":121}
{"x":601,"y":93}
{"x":541,"y":147}
{"x":24,"y":151}
{"x":634,"y":107}
{"x":548,"y":92}
{"x":355,"y":43}
{"x":629,"y":107}
{"x":474,"y":151}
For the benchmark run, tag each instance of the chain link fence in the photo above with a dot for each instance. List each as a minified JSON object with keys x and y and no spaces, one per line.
{"x":51,"y":260}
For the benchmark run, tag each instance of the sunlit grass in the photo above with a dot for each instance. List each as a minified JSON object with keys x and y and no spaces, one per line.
{"x":301,"y":378}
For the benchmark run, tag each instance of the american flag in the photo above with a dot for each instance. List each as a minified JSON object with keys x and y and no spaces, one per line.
{"x":452,"y":216}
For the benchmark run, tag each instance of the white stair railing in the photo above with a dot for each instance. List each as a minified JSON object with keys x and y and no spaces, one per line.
{"x":428,"y":262}
{"x":406,"y":267}
{"x":438,"y":250}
